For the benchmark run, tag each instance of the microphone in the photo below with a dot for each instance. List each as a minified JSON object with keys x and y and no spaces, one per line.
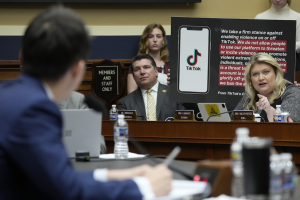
{"x":95,"y":104}
{"x":248,"y":100}
{"x":169,"y":119}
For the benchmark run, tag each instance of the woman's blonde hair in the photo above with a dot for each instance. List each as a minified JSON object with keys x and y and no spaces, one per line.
{"x":279,"y":87}
{"x":144,"y":44}
{"x":288,"y":1}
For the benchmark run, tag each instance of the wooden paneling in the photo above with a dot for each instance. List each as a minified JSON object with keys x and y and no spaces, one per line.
{"x":204,"y":140}
{"x":10,"y":70}
{"x":7,"y":74}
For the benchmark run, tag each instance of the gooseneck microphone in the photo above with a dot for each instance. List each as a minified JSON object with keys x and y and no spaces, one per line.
{"x":248,"y":100}
{"x":95,"y":104}
{"x":98,"y":106}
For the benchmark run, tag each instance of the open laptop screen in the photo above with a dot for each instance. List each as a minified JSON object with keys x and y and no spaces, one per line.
{"x":209,"y":109}
{"x":81,"y":131}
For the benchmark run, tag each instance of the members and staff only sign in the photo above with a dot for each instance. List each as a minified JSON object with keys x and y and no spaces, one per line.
{"x":209,"y":56}
{"x":106,"y":80}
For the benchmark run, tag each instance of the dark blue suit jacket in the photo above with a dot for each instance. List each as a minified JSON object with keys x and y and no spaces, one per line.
{"x":33,"y":160}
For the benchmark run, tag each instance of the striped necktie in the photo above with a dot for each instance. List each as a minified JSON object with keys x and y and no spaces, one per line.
{"x":151,"y":108}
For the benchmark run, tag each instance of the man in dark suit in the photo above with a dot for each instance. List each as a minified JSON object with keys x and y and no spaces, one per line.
{"x":151,"y":99}
{"x":33,"y":161}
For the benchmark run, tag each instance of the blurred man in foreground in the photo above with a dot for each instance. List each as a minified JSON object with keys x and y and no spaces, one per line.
{"x":33,"y":161}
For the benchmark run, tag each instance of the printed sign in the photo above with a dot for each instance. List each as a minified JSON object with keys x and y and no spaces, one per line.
{"x":209,"y":56}
{"x":107,"y":80}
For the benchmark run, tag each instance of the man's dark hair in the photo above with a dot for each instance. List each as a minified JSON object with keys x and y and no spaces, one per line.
{"x":141,"y":57}
{"x":54,"y":41}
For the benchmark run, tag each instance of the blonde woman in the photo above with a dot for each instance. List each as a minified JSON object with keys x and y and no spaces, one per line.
{"x":266,"y":88}
{"x":153,"y":42}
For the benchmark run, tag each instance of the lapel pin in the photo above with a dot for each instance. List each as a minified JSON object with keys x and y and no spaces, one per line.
{"x":164,"y":91}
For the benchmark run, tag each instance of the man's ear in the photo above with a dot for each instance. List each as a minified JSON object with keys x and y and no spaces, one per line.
{"x":132,"y":72}
{"x":77,"y":72}
{"x":78,"y":69}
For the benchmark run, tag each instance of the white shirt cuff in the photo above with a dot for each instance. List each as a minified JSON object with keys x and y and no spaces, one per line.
{"x":142,"y":183}
{"x":144,"y":187}
{"x":100,"y":175}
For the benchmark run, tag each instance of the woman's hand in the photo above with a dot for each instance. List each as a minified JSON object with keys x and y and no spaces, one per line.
{"x":169,"y":78}
{"x":263,"y":103}
{"x":297,"y":84}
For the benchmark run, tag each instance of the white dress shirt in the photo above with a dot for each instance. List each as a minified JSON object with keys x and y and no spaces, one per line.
{"x":284,"y":13}
{"x":101,"y":174}
{"x":154,"y":94}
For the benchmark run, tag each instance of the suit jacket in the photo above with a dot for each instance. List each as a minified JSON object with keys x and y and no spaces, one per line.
{"x":76,"y":101}
{"x":164,"y":107}
{"x":33,"y":160}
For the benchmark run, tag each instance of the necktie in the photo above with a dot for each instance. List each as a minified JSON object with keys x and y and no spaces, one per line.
{"x":151,"y":108}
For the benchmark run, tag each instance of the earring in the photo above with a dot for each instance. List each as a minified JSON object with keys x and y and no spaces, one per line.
{"x":250,"y":86}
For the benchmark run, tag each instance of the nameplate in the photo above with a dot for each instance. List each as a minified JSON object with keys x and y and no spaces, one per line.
{"x":184,"y":115}
{"x":128,"y":114}
{"x":243,"y":115}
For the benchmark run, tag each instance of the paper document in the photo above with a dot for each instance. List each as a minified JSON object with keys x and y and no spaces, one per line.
{"x":112,"y":156}
{"x":224,"y":197}
{"x":183,"y":188}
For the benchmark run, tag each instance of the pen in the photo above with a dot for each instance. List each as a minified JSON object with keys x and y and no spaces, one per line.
{"x":172,"y":155}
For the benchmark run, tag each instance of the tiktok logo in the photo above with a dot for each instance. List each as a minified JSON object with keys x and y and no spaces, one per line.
{"x":196,"y":54}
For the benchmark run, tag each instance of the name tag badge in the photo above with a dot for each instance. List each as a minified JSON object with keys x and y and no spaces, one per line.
{"x":184,"y":115}
{"x":128,"y":114}
{"x":243,"y":115}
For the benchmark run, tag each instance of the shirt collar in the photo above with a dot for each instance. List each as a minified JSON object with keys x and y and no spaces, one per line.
{"x":154,"y":88}
{"x":48,"y":91}
{"x":282,"y":10}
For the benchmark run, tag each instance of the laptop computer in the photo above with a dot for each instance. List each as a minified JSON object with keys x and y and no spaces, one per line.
{"x":82,"y":131}
{"x":208,"y":109}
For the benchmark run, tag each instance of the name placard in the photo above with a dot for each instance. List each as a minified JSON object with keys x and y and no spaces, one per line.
{"x":187,"y":115}
{"x":243,"y":115}
{"x":128,"y":114}
{"x":107,"y":80}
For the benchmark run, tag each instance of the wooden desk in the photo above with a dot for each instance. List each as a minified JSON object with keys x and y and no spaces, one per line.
{"x":204,"y":140}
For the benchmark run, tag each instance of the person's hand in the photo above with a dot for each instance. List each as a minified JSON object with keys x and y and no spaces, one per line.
{"x":169,"y":78}
{"x":160,"y":178}
{"x":124,"y":174}
{"x":297,"y":84}
{"x":263,"y":103}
